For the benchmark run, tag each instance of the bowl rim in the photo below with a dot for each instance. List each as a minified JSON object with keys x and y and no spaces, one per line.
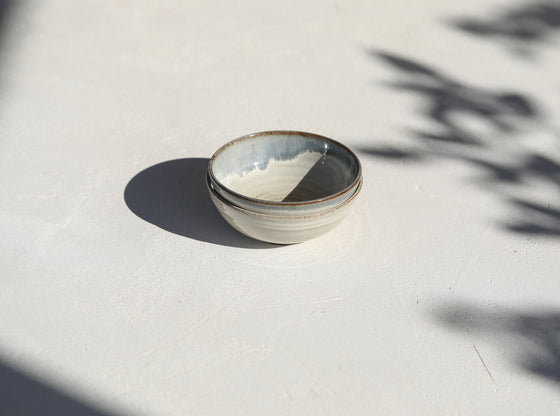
{"x":278,"y":133}
{"x":230,"y":204}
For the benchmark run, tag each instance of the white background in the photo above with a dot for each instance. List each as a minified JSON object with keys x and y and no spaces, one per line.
{"x":123,"y":292}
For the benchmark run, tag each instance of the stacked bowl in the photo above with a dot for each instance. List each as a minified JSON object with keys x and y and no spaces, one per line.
{"x":284,"y":187}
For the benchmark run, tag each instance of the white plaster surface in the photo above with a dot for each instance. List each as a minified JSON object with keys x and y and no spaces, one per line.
{"x":438,"y":295}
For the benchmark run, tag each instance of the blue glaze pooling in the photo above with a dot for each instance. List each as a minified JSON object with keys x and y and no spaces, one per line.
{"x":245,"y":156}
{"x":285,"y":173}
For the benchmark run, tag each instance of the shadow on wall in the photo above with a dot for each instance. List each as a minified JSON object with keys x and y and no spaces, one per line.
{"x":447,"y":103}
{"x":532,"y":340}
{"x":22,"y":395}
{"x":172,"y":195}
{"x":520,"y":28}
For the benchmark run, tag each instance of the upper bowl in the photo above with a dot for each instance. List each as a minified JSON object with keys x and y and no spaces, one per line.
{"x":285,"y":173}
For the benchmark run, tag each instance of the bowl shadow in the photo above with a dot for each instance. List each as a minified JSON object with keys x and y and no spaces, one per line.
{"x":172,"y":195}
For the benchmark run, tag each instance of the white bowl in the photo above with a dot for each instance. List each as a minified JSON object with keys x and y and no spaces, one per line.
{"x":281,"y":229}
{"x":285,"y":173}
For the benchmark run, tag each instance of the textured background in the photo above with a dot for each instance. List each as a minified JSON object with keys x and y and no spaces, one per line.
{"x":123,"y":293}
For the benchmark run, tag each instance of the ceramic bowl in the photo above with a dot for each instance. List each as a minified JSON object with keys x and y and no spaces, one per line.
{"x":285,"y":173}
{"x":281,"y":229}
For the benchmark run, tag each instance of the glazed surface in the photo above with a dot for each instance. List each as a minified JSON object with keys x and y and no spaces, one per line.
{"x":285,"y":167}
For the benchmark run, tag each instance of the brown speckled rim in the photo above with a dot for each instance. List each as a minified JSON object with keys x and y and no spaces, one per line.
{"x":283,"y":133}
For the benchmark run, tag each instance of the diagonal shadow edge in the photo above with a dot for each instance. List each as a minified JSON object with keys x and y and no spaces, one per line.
{"x":172,"y":195}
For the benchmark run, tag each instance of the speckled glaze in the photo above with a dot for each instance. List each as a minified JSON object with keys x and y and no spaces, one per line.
{"x":284,"y":173}
{"x":281,"y":229}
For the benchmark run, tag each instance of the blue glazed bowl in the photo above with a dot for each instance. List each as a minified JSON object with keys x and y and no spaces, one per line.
{"x":284,"y":173}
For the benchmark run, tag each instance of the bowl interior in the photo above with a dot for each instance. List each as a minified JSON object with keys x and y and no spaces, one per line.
{"x":285,"y":167}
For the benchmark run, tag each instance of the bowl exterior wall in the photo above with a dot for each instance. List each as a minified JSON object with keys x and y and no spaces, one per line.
{"x":281,"y":230}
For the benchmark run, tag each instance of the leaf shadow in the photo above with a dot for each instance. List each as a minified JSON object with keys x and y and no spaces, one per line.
{"x":531,"y":339}
{"x":521,"y":28}
{"x":446,"y":101}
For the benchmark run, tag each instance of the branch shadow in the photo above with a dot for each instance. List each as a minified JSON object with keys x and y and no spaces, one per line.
{"x":531,"y":339}
{"x":172,"y":195}
{"x":446,"y":98}
{"x":521,"y":28}
{"x":23,"y":395}
{"x":6,"y":7}
{"x":447,"y":102}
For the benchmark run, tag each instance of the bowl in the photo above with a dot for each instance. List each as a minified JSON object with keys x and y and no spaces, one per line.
{"x":285,"y":173}
{"x":281,"y":229}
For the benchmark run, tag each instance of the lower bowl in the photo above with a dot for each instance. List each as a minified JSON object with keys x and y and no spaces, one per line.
{"x":281,"y":229}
